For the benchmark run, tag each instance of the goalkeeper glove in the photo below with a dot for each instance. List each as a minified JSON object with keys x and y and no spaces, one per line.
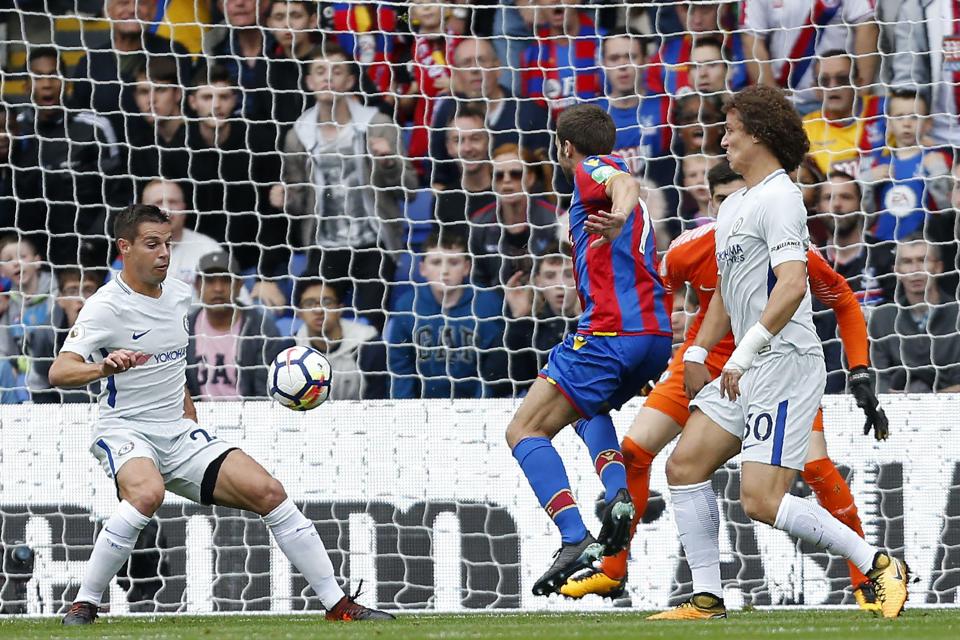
{"x":861,"y":386}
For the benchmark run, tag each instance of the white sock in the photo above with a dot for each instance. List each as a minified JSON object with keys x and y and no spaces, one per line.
{"x":298,"y":539}
{"x":113,"y":547}
{"x":698,"y":523}
{"x":812,"y":523}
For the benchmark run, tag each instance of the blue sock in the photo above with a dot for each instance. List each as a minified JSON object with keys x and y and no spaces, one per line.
{"x":604,"y":446}
{"x":544,"y":470}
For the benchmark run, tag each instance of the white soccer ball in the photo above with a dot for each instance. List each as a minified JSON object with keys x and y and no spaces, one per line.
{"x":299,"y":378}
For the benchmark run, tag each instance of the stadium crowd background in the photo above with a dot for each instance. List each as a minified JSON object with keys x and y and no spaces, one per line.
{"x":323,"y":163}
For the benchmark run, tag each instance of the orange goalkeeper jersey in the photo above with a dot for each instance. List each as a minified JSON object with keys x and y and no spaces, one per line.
{"x":691,"y":259}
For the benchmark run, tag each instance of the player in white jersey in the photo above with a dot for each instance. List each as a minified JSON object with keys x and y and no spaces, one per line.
{"x":769,"y":391}
{"x":133,"y":332}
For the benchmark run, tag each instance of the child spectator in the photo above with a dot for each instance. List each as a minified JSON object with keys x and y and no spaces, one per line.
{"x":445,"y":339}
{"x":694,"y":168}
{"x":344,"y":167}
{"x":541,"y":317}
{"x":74,"y":287}
{"x":561,"y":67}
{"x":357,"y":354}
{"x":507,"y":234}
{"x":910,"y":181}
{"x":698,"y":124}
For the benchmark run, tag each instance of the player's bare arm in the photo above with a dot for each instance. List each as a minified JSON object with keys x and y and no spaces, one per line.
{"x":71,"y":370}
{"x":716,"y":325}
{"x":189,"y":409}
{"x":624,"y":193}
{"x":785,"y":299}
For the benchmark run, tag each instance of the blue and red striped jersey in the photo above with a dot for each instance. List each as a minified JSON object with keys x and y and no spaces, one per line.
{"x":620,"y":290}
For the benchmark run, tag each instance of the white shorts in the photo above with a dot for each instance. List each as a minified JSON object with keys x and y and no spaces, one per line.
{"x":181,"y":450}
{"x":773,"y":417}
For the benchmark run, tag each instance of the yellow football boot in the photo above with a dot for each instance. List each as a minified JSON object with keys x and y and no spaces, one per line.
{"x":700,"y":606}
{"x":890,"y":576}
{"x":594,"y":581}
{"x":866,"y":597}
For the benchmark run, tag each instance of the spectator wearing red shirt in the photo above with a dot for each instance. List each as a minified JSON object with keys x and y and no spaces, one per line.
{"x":561,"y":67}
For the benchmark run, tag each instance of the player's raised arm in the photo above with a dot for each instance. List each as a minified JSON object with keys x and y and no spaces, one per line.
{"x":71,"y":370}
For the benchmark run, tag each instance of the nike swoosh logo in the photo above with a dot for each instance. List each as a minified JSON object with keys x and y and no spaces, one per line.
{"x":896,"y":565}
{"x":137,"y":336}
{"x":756,"y":444}
{"x":303,"y":528}
{"x":114,"y":533}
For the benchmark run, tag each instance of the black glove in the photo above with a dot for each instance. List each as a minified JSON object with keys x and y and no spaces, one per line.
{"x":861,"y":386}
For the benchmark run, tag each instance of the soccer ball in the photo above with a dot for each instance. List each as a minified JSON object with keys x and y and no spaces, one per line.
{"x":299,"y":378}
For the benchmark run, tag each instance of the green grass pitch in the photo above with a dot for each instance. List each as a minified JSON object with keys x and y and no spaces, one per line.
{"x":920,"y":624}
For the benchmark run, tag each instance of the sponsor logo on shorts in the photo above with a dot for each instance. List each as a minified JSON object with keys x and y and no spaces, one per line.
{"x":125,"y":449}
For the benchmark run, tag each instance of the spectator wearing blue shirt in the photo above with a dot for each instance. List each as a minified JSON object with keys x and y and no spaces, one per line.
{"x":445,"y":339}
{"x":909,"y":181}
{"x":643,"y":133}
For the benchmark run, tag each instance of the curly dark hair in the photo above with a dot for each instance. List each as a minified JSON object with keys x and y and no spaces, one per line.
{"x":767,"y":114}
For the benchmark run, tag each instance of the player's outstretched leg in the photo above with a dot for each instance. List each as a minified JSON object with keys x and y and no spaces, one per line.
{"x":141,"y":488}
{"x":541,"y":415}
{"x":244,"y":484}
{"x":600,"y":436}
{"x":650,"y":432}
{"x":834,"y":495}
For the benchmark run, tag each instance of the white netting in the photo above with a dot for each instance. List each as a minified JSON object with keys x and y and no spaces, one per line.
{"x":211,"y":110}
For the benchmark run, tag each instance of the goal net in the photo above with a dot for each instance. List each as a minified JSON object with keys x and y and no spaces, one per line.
{"x":337,"y":153}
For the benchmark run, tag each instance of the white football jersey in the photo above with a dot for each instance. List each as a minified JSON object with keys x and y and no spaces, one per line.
{"x":117,"y":317}
{"x":757,"y":230}
{"x":782,"y":23}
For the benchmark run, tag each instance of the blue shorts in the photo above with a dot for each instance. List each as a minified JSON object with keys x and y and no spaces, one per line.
{"x":600,"y":373}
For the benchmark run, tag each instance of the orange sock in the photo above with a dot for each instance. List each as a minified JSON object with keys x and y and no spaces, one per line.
{"x":834,"y":496}
{"x":637,"y":460}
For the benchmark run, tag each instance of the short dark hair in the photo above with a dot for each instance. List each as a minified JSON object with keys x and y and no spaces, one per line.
{"x":708,"y":41}
{"x":302,"y":284}
{"x":98,"y":275}
{"x":212,"y":73}
{"x":768,"y":115}
{"x":907,"y":93}
{"x":933,"y":249}
{"x":159,"y":69}
{"x":721,"y":174}
{"x":623,"y":33}
{"x":468,"y":110}
{"x":309,"y":5}
{"x":588,"y":128}
{"x":843,"y":175}
{"x":39,"y":53}
{"x":451,"y":238}
{"x":553,"y":253}
{"x":127,"y":223}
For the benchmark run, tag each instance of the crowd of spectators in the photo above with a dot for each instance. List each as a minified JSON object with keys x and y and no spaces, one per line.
{"x":375,"y":180}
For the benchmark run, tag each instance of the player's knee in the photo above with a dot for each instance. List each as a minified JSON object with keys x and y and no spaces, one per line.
{"x":681,"y":470}
{"x":146,"y":497}
{"x":270,"y":495}
{"x":760,"y":505}
{"x":516,"y":431}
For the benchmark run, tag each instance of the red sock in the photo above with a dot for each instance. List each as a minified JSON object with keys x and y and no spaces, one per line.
{"x":637,"y":460}
{"x":834,"y":496}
